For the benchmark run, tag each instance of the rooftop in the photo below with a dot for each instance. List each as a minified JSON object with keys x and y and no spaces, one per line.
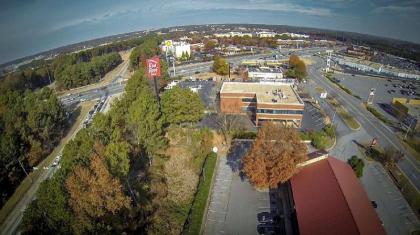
{"x":329,"y":199}
{"x":265,"y":69}
{"x":264,"y":92}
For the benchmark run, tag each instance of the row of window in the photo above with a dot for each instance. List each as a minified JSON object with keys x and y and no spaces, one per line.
{"x":250,"y":100}
{"x":274,"y":111}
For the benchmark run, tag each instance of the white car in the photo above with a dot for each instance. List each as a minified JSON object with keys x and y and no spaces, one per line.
{"x":56,"y":160}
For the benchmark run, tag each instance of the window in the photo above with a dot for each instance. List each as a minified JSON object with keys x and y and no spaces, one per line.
{"x":249,"y":100}
{"x":277,"y":111}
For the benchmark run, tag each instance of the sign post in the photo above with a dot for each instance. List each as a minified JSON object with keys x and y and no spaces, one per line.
{"x":153,"y":71}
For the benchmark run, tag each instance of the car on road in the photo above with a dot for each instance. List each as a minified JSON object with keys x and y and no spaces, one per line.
{"x":56,"y":160}
{"x":266,"y":217}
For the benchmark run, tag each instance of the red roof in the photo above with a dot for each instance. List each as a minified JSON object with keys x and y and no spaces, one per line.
{"x":329,"y":199}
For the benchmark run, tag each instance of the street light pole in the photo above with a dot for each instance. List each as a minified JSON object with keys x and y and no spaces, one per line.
{"x":408,"y":129}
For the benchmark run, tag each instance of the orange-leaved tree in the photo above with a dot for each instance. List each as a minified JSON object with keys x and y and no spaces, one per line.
{"x":94,"y":192}
{"x":274,"y":156}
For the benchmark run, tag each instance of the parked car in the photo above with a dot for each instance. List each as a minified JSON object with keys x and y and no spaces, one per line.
{"x":267,"y":229}
{"x":374,"y":204}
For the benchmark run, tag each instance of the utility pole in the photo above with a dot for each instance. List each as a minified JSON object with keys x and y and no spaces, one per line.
{"x":408,"y":129}
{"x":173,"y":64}
{"x":23,"y":168}
{"x":48,"y":72}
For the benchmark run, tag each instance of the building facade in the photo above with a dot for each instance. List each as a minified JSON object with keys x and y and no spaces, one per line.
{"x":176,"y":48}
{"x":265,"y":73}
{"x":264,"y":102}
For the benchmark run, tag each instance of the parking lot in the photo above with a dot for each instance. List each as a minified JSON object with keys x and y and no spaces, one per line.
{"x":386,"y":89}
{"x":312,"y":118}
{"x":236,"y":207}
{"x":204,"y":88}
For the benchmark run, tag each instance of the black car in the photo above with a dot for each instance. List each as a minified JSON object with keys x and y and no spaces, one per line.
{"x":374,"y":204}
{"x":265,"y":217}
{"x":267,"y":229}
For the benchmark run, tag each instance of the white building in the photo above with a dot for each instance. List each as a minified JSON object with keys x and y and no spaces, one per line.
{"x":232,"y":34}
{"x":176,"y":48}
{"x":266,"y":34}
{"x":296,"y":35}
{"x":265,"y":73}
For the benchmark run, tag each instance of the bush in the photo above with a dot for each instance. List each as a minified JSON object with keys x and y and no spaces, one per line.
{"x":193,"y":223}
{"x":244,"y":135}
{"x":319,"y":140}
{"x":329,"y":130}
{"x":357,"y":164}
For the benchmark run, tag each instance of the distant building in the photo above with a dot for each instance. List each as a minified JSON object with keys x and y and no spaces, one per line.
{"x":266,"y":34}
{"x":295,"y":35}
{"x":267,"y":73}
{"x":329,"y":199}
{"x":232,"y":34}
{"x":275,"y":102}
{"x":176,"y":48}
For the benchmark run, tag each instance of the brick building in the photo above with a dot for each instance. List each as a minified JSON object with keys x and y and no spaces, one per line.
{"x":276,"y":102}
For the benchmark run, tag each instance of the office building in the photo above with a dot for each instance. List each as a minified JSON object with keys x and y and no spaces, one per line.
{"x":277,"y":102}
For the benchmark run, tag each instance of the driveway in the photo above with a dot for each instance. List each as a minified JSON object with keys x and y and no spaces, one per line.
{"x":234,"y":203}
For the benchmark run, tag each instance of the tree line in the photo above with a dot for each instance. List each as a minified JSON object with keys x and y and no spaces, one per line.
{"x":104,"y":185}
{"x":26,"y":79}
{"x":72,"y":71}
{"x":31,"y":124}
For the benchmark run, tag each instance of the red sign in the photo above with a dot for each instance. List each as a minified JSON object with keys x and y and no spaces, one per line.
{"x":153,"y":67}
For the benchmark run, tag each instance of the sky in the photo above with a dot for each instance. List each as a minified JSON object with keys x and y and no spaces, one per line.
{"x":31,"y":26}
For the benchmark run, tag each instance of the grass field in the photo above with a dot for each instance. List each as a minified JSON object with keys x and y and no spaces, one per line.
{"x":35,"y":175}
{"x":200,"y":202}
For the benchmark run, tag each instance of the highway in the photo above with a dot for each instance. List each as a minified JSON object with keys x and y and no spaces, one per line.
{"x":386,"y":137}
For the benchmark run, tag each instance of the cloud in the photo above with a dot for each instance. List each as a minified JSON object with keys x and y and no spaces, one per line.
{"x":257,"y":5}
{"x":396,"y":9}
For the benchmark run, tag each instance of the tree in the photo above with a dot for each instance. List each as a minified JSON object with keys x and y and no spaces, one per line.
{"x":181,"y":105}
{"x":226,"y":124}
{"x":274,"y":156}
{"x":145,"y":118}
{"x":220,"y":66}
{"x":297,"y":68}
{"x":210,"y":45}
{"x":357,"y":164}
{"x":391,"y":157}
{"x":94,"y":192}
{"x":48,"y":213}
{"x":117,"y":157}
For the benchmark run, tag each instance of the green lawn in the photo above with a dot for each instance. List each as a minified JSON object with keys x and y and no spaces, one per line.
{"x":200,"y":202}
